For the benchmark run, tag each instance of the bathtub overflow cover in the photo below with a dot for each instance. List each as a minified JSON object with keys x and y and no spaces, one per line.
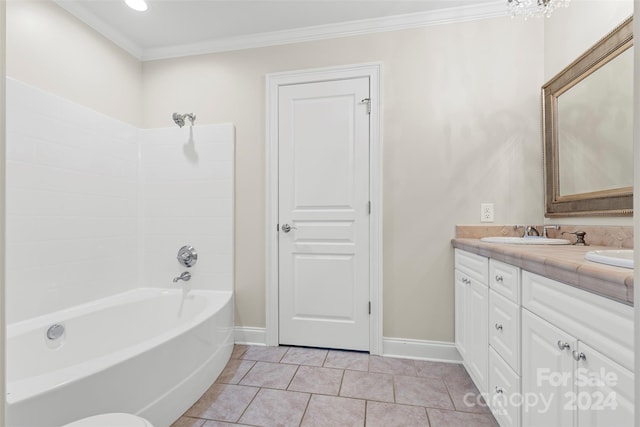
{"x":55,"y":331}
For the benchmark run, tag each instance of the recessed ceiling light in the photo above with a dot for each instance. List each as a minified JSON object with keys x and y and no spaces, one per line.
{"x":139,"y":5}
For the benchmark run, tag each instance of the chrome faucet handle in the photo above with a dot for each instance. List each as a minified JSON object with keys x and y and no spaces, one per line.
{"x":579,"y":237}
{"x":549,"y":227}
{"x":187,"y":256}
{"x":529,"y":230}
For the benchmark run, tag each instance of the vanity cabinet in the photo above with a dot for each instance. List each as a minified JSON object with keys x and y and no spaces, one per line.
{"x":471,"y":314}
{"x":577,"y":356}
{"x":504,"y":342}
{"x":544,"y":352}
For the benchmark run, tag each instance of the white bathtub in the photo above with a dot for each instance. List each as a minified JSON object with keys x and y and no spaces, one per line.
{"x":150,"y":352}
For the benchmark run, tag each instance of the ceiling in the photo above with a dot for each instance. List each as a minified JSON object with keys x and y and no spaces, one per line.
{"x":172,"y":28}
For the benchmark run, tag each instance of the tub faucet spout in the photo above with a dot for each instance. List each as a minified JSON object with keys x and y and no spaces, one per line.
{"x":186,"y":276}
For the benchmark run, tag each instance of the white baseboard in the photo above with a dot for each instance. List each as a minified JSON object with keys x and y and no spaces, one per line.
{"x":250,"y":336}
{"x":437,"y":351}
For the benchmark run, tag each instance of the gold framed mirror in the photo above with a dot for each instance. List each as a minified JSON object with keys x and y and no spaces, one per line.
{"x":588,"y":131}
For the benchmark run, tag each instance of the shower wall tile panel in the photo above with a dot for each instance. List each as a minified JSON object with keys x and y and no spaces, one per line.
{"x":96,"y":207}
{"x":187,"y":198}
{"x":72,"y":203}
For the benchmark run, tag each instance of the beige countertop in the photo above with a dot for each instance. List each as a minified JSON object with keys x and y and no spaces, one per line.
{"x":559,"y":262}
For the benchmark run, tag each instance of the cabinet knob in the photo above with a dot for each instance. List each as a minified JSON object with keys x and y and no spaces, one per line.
{"x":499,"y":278}
{"x":563,"y":345}
{"x":498,"y":326}
{"x":579,"y":356}
{"x":499,"y":390}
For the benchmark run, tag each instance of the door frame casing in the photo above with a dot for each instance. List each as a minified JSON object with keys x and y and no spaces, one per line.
{"x":273,"y":81}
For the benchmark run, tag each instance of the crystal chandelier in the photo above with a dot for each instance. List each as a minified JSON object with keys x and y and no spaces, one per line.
{"x":535,"y":8}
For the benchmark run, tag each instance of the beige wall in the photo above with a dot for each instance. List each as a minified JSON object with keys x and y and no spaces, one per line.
{"x":50,"y":49}
{"x":571,"y":31}
{"x":460,"y":127}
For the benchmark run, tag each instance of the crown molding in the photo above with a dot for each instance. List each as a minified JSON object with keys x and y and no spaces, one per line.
{"x":115,"y":36}
{"x":484,"y":10}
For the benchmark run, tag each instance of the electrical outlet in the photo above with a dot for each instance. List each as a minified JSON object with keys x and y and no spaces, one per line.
{"x":486,"y":212}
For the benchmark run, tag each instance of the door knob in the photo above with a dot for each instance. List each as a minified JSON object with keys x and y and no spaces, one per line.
{"x":287,"y":228}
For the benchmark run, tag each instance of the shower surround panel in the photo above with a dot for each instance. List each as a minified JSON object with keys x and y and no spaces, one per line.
{"x":186,"y":198}
{"x":96,"y":206}
{"x":71,"y":203}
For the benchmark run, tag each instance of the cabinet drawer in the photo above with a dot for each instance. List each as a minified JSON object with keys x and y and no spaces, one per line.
{"x":503,"y":384}
{"x":504,"y":329}
{"x":604,"y":324}
{"x":475,"y":266}
{"x":505,"y":280}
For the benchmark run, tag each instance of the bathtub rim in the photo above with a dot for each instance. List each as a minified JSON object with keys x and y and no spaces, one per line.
{"x":24,"y":389}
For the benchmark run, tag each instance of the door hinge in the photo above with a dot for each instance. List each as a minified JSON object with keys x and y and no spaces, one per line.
{"x":368,"y":102}
{"x":369,"y":307}
{"x":277,"y":227}
{"x":369,"y":207}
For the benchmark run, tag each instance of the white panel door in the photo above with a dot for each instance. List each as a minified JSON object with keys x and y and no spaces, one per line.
{"x":323,"y":196}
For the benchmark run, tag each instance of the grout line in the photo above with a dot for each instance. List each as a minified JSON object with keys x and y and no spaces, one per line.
{"x":291,"y":380}
{"x":446,"y":387}
{"x":245,"y":409}
{"x":366,"y":405}
{"x":341,"y":382}
{"x":428,"y":418}
{"x":248,"y":370}
{"x":306,"y":408}
{"x":393,"y":388}
{"x":325,"y":358}
{"x":283,"y":354}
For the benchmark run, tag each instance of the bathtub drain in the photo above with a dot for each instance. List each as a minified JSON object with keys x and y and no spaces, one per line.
{"x":55,"y":331}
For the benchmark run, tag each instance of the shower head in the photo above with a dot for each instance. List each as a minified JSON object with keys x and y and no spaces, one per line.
{"x":179,"y":118}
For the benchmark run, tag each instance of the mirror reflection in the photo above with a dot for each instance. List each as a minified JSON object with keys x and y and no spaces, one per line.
{"x":595,"y":130}
{"x":588,"y":131}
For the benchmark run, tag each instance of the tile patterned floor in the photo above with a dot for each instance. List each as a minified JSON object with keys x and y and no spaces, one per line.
{"x":291,"y":386}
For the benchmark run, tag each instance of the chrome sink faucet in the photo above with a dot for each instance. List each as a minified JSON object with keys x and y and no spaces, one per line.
{"x":186,"y":276}
{"x":549,"y":227}
{"x":529,"y":230}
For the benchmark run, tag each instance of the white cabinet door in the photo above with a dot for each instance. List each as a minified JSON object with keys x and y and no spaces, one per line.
{"x":604,"y":394}
{"x":476,"y":333}
{"x":547,"y":373}
{"x":460,"y":314}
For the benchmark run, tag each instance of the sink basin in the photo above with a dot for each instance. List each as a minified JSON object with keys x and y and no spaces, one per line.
{"x":529,"y":240}
{"x":618,"y":258}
